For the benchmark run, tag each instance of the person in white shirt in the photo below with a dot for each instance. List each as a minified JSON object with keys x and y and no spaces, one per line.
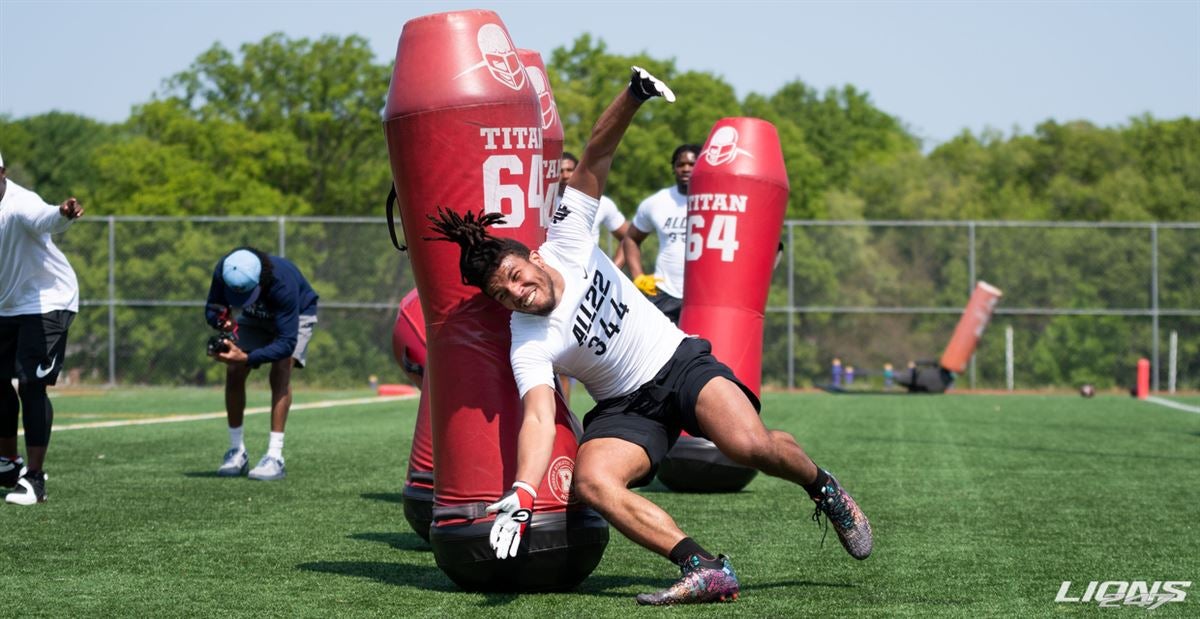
{"x":574,"y":312}
{"x":608,"y":215}
{"x":39,"y":298}
{"x":664,"y":213}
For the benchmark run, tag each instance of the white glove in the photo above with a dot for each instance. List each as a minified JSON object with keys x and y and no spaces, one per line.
{"x":513,"y":512}
{"x":643,"y":86}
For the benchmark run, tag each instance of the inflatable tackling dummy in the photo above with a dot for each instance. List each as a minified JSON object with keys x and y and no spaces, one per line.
{"x":408,"y":338}
{"x":464,"y":132}
{"x":737,"y":199}
{"x":552,"y":131}
{"x":408,"y":347}
{"x":927,"y":377}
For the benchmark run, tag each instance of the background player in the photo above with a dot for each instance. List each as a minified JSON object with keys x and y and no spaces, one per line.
{"x":664,"y":213}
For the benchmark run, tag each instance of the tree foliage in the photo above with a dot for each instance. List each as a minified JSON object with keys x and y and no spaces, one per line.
{"x":291,"y":127}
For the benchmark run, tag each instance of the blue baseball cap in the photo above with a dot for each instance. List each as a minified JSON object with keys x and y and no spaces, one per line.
{"x":241,"y":271}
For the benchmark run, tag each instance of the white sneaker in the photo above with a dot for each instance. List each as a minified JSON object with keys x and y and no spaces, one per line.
{"x":269,"y":468}
{"x":234,"y":464}
{"x":30,"y":490}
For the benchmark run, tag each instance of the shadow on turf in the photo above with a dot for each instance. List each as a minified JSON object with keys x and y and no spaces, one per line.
{"x":399,"y":541}
{"x":432,"y":579}
{"x":398,"y":574}
{"x":386,"y":497}
{"x":200,"y":474}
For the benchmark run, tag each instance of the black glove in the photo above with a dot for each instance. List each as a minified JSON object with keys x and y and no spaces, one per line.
{"x":642,"y":85}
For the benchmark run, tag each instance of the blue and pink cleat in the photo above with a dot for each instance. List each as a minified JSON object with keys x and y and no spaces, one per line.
{"x":700,"y":584}
{"x":852,"y":526}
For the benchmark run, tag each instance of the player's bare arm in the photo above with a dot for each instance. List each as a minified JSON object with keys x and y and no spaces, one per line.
{"x":592,"y":171}
{"x":535,"y":442}
{"x":632,"y":244}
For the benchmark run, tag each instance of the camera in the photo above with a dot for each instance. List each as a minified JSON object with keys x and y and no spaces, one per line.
{"x":218,"y":343}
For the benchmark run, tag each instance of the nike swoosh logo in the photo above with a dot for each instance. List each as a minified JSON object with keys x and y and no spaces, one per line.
{"x":42,"y":372}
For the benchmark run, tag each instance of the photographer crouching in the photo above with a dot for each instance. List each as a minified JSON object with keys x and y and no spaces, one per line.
{"x":278,"y":313}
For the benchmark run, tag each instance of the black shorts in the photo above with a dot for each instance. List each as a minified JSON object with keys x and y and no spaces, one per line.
{"x":33,"y":347}
{"x":667,"y":304}
{"x":652,"y":416}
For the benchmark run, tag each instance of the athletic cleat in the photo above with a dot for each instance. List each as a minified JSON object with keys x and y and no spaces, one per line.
{"x":11,"y":471}
{"x":30,"y":490}
{"x":269,"y":468}
{"x":700,"y":584}
{"x":852,"y":526}
{"x":234,"y":463}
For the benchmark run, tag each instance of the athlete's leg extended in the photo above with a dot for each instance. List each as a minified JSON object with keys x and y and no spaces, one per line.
{"x":604,"y":468}
{"x":729,"y":420}
{"x":727,"y":417}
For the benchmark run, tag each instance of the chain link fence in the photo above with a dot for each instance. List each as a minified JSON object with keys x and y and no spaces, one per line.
{"x":1083,"y":301}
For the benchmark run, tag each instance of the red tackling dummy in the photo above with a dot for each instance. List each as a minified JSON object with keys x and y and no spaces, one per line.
{"x":408,"y":347}
{"x":970,"y":327}
{"x":737,"y":198}
{"x":552,"y":130}
{"x":408,"y":338}
{"x":464,"y":131}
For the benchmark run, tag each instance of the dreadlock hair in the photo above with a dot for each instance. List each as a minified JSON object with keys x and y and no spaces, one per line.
{"x":482,"y":253}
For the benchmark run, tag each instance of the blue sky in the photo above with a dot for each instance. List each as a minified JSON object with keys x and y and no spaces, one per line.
{"x":941,"y":67}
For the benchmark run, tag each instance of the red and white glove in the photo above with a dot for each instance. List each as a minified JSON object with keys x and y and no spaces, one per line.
{"x":513,"y":512}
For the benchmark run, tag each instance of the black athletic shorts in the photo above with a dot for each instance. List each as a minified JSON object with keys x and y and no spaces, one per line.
{"x":652,"y":416}
{"x":33,"y":347}
{"x":667,"y":304}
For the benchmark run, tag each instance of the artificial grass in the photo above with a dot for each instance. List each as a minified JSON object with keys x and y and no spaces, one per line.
{"x":981,"y":505}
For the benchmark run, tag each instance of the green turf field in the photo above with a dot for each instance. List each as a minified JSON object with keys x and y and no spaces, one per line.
{"x":981,"y":505}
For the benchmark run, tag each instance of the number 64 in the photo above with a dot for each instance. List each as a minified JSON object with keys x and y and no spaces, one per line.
{"x":722,"y":236}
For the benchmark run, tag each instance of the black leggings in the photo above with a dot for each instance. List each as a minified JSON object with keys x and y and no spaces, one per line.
{"x":39,"y":413}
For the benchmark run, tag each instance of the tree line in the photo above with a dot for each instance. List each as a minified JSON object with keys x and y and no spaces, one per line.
{"x":287,"y":126}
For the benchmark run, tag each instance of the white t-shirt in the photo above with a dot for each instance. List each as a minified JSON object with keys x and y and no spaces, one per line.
{"x":35,"y":277}
{"x":609,"y":215}
{"x":604,"y":331}
{"x":665,"y":213}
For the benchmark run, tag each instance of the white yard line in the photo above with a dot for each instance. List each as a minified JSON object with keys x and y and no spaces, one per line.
{"x":221,"y":415}
{"x":1173,"y":404}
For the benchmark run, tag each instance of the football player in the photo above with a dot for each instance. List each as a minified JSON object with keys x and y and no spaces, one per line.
{"x":664,"y":213}
{"x":576,"y":313}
